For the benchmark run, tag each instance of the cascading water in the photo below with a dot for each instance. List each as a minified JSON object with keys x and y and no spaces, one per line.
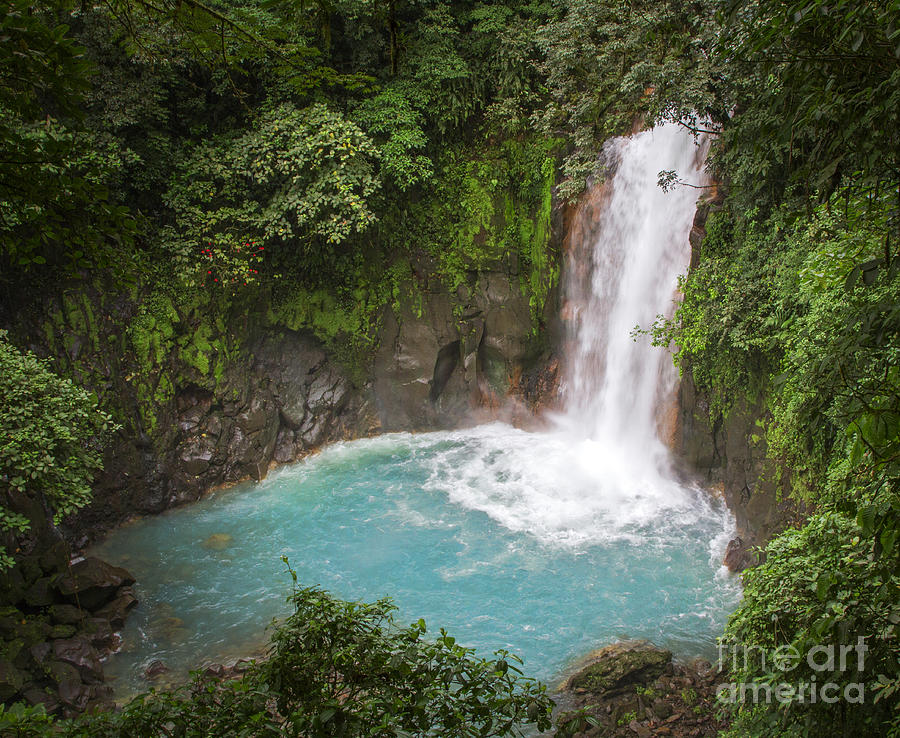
{"x":546,"y":543}
{"x":635,"y":251}
{"x":627,"y":246}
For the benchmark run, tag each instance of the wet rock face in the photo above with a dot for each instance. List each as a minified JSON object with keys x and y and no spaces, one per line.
{"x":442,"y":360}
{"x":457,"y":359}
{"x":280,"y":396}
{"x":737,"y":556}
{"x":727,"y":451}
{"x":730,"y":454}
{"x":78,"y":652}
{"x":291,"y":399}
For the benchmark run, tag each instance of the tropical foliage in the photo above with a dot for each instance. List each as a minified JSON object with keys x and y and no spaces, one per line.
{"x":793,"y":305}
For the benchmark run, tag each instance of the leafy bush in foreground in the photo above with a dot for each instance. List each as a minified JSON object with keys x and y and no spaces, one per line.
{"x":335,"y":668}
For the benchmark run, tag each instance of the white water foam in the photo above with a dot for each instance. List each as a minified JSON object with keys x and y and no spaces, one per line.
{"x":560,"y":490}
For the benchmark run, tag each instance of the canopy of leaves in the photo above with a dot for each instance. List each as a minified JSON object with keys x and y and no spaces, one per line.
{"x":297,"y":178}
{"x":817,"y":95}
{"x":55,"y":207}
{"x":610,"y":65}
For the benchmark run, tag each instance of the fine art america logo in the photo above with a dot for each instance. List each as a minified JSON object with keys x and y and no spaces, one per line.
{"x":824,"y":660}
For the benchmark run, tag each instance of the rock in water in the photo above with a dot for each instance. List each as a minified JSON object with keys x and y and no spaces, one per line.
{"x":155,"y":669}
{"x":117,"y":610}
{"x":218,"y":542}
{"x":617,"y":667}
{"x":82,"y":655}
{"x":737,"y":557}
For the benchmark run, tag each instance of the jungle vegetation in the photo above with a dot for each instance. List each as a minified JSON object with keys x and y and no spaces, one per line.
{"x":197,"y":153}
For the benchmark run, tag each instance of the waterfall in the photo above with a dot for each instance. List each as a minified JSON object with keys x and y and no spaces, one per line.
{"x":628,"y":243}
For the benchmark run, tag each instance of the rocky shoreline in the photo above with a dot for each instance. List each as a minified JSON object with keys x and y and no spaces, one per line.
{"x":61,"y":623}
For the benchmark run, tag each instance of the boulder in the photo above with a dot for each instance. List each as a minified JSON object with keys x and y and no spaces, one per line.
{"x":616,"y":668}
{"x":155,"y":669}
{"x":10,"y":618}
{"x":62,"y":672}
{"x":82,"y":655}
{"x":737,"y":557}
{"x":101,"y":635}
{"x":40,"y":652}
{"x":62,"y":631}
{"x":11,"y":679}
{"x":40,"y":594}
{"x":100,"y":698}
{"x":214,"y":671}
{"x":91,"y":583}
{"x":117,"y":610}
{"x":26,"y":632}
{"x":85,"y":697}
{"x":36,"y":695}
{"x":67,"y":614}
{"x":218,"y":541}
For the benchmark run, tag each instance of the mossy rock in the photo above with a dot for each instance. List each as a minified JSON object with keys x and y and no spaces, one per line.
{"x":66,"y":614}
{"x":10,"y":618}
{"x":12,"y":650}
{"x":31,"y":629}
{"x":40,"y":594}
{"x":618,"y":667}
{"x":11,"y":679}
{"x":62,"y":631}
{"x":12,"y":586}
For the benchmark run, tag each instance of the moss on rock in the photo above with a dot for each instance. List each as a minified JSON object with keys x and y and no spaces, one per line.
{"x":620,"y":666}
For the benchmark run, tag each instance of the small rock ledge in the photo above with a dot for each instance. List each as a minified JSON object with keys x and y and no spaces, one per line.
{"x":633,"y":688}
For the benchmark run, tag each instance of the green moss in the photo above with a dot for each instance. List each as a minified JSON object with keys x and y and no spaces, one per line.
{"x":197,"y":350}
{"x":153,"y":395}
{"x":152,"y":330}
{"x":489,"y":208}
{"x":345,"y":323}
{"x":622,"y":668}
{"x":219,"y":370}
